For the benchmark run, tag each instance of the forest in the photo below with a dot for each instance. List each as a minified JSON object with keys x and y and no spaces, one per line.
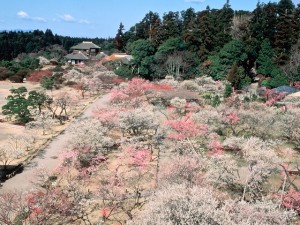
{"x":193,"y":130}
{"x":221,"y":43}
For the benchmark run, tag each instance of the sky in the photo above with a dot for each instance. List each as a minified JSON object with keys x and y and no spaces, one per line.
{"x":97,"y":18}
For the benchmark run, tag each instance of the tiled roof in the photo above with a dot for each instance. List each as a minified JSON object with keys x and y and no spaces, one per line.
{"x":77,"y":55}
{"x":86,"y":45}
{"x":287,"y":89}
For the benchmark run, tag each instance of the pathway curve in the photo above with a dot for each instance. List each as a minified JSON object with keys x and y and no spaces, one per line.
{"x":47,"y":159}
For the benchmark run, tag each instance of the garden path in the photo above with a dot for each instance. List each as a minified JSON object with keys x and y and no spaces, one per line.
{"x":47,"y":159}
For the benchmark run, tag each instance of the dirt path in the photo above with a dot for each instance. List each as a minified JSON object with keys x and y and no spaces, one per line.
{"x":48,"y":158}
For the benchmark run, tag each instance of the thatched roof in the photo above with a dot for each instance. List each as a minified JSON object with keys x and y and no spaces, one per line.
{"x":85,"y":45}
{"x":77,"y":56}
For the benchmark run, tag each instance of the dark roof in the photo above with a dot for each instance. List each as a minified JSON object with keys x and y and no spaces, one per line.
{"x":85,"y":45}
{"x":287,"y":89}
{"x":77,"y":55}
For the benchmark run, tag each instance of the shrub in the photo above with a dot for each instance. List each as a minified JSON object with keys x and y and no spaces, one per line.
{"x":70,"y":83}
{"x":29,"y":63}
{"x":16,"y":79}
{"x":58,"y":69}
{"x":140,"y":121}
{"x":123,"y":72}
{"x":190,"y":85}
{"x":5,"y":73}
{"x":215,"y":101}
{"x":228,"y":90}
{"x":37,"y":75}
{"x":22,"y":73}
{"x":47,"y":82}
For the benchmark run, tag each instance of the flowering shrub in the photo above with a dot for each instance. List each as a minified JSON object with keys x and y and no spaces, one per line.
{"x":297,"y":84}
{"x":134,"y":90}
{"x":272,"y":97}
{"x":200,"y":205}
{"x":138,"y":122}
{"x":185,"y":128}
{"x":182,"y":169}
{"x":138,"y":157}
{"x":291,"y":200}
{"x":107,"y":116}
{"x":92,"y":135}
{"x":73,"y":75}
{"x":35,"y":77}
{"x":118,"y":96}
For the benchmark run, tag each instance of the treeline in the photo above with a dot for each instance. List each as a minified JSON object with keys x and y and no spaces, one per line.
{"x":222,"y":43}
{"x":20,"y":51}
{"x":13,"y":43}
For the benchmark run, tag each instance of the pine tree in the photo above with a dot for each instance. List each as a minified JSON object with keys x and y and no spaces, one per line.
{"x":223,"y":23}
{"x":233,"y":52}
{"x":265,"y":58}
{"x":142,"y":52}
{"x":263,"y":22}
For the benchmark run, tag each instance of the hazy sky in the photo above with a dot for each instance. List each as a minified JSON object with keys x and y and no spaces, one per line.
{"x":96,"y":18}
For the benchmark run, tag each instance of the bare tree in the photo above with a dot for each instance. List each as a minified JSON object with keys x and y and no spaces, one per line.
{"x":292,"y":68}
{"x":14,"y":148}
{"x":42,"y":121}
{"x":240,"y":27}
{"x":176,"y":65}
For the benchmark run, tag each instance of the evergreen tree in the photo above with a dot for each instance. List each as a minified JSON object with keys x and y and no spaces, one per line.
{"x":223,"y":22}
{"x":142,"y":52}
{"x":263,"y":23}
{"x":266,"y":66}
{"x":233,"y":52}
{"x":199,"y":35}
{"x":236,"y":76}
{"x":119,"y":41}
{"x":287,"y":30}
{"x":49,"y":38}
{"x":188,"y":16}
{"x":188,"y":27}
{"x":154,"y":31}
{"x":171,"y":25}
{"x":148,"y":28}
{"x":37,"y":99}
{"x":205,"y":29}
{"x":17,"y":105}
{"x":170,"y":46}
{"x":227,"y":90}
{"x":265,"y":58}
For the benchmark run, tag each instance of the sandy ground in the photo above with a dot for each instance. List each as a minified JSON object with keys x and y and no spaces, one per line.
{"x":5,"y":128}
{"x":297,"y":94}
{"x":47,"y":159}
{"x":5,"y":86}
